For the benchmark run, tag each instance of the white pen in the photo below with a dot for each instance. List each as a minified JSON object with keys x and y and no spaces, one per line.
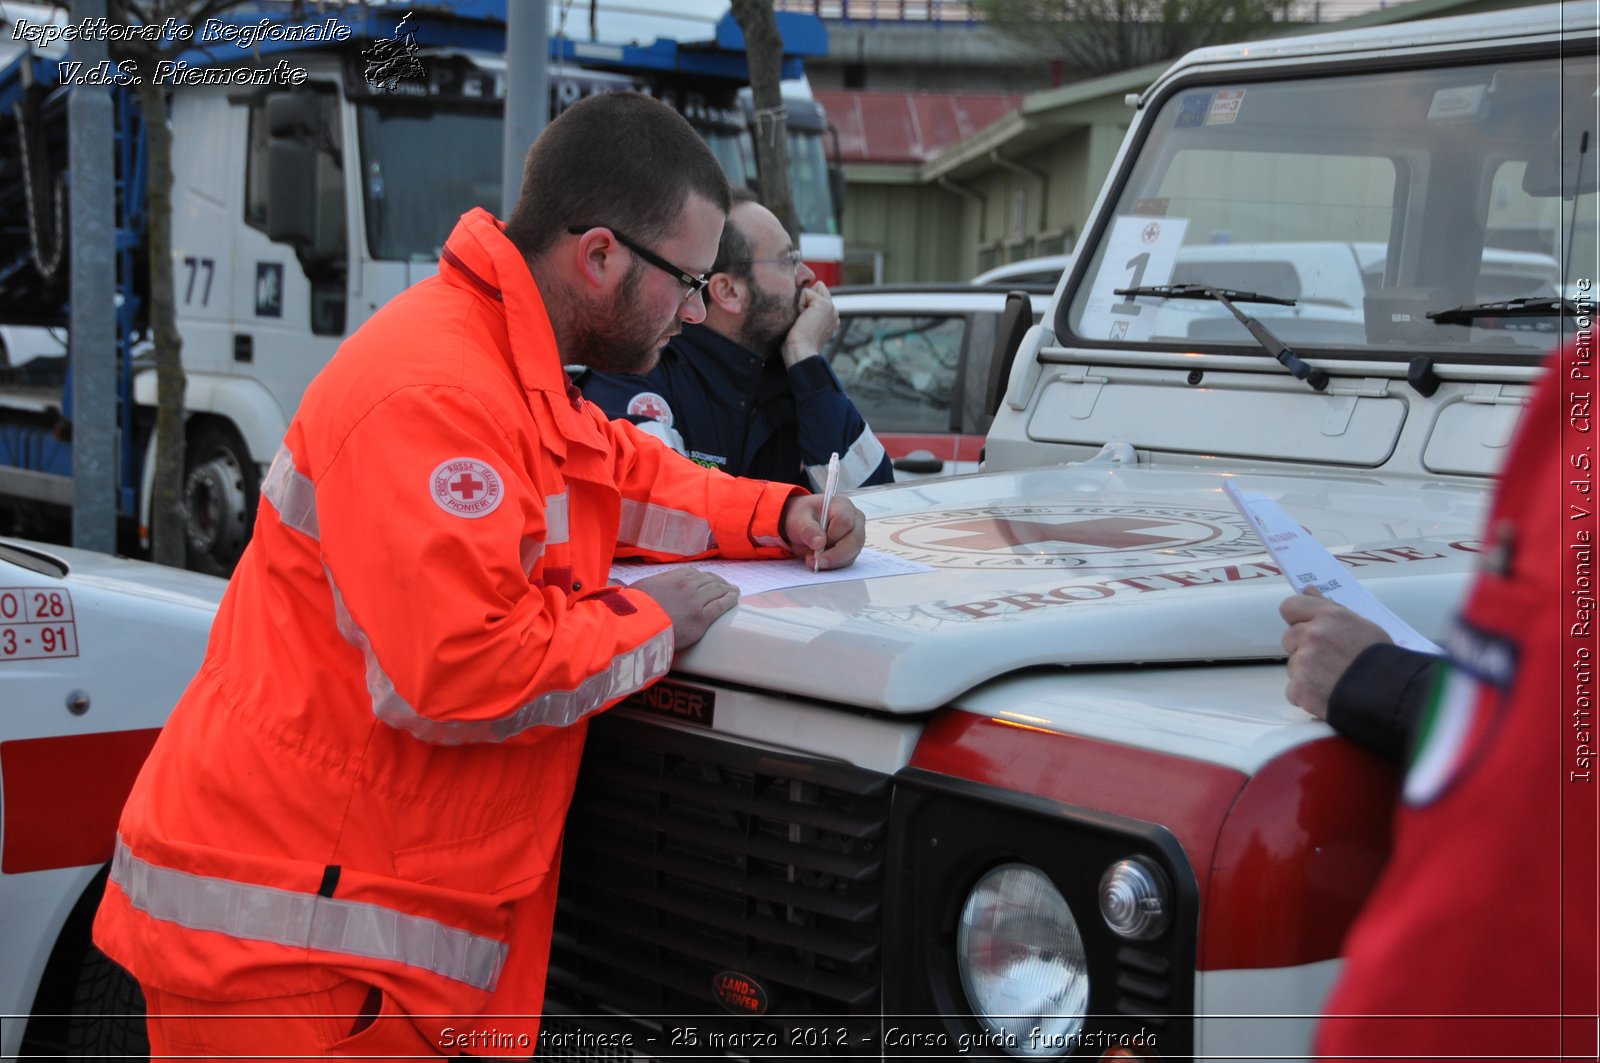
{"x":829,"y":486}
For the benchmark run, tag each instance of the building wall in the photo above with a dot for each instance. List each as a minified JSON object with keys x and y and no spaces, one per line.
{"x":911,"y":231}
{"x":1037,"y":202}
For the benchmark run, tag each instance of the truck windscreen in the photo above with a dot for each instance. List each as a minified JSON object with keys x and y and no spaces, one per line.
{"x":422,"y":168}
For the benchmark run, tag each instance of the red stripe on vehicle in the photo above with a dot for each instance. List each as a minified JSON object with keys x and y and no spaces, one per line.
{"x":1283,"y":858}
{"x":946,"y":447}
{"x":63,"y":796}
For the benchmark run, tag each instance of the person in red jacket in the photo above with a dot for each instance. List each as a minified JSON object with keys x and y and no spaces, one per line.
{"x":1481,"y":935}
{"x":346,"y":841}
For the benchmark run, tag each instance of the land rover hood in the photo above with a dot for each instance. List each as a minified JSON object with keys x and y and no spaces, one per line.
{"x":1082,"y":566}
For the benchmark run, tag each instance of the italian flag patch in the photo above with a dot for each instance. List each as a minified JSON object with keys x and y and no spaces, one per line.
{"x":1450,"y":729}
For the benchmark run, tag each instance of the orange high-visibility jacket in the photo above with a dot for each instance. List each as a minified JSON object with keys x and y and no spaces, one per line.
{"x":368,"y":776}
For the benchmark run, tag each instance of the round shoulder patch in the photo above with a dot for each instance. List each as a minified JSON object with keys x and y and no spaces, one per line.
{"x":466,"y":487}
{"x":649,"y":404}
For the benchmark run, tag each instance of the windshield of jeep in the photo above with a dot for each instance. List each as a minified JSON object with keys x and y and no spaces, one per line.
{"x":1370,"y":200}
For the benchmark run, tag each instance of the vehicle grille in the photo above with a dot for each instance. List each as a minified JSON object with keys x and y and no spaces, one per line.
{"x":691,"y":860}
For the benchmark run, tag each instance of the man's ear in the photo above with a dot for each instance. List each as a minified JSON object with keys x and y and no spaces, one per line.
{"x":727,"y":293}
{"x":600,"y":259}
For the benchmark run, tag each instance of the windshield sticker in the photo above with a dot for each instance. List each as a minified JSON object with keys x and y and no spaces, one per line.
{"x":1141,"y":250}
{"x":1192,"y":110}
{"x":1225,"y":107}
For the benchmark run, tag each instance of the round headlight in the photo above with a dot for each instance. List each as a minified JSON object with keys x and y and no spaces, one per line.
{"x":1021,"y":961}
{"x":1134,"y":899}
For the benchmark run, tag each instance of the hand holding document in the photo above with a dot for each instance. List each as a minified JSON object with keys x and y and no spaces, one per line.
{"x":1306,"y":562}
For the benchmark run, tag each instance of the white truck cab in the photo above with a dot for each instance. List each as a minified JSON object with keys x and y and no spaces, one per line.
{"x":1047,"y":798}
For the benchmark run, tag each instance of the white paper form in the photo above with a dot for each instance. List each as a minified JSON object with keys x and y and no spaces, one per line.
{"x":1304,"y":561}
{"x":753,"y":577}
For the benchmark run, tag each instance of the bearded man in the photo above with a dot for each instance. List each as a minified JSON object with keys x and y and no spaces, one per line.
{"x":749,"y":391}
{"x":347,"y":839}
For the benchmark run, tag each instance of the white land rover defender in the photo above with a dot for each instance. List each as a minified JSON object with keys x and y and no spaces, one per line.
{"x":1048,"y":799}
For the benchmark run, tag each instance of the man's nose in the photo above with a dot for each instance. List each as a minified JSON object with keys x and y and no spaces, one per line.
{"x":692,"y":310}
{"x":805,"y":275}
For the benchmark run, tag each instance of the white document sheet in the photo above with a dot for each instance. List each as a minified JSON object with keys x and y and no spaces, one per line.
{"x":753,"y":577}
{"x":1305,"y":561}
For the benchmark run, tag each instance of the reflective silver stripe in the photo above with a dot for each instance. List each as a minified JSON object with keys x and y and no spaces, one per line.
{"x":291,"y":494}
{"x":855,"y":465}
{"x":529,"y":553}
{"x":556,"y":531}
{"x":627,"y":672}
{"x":306,"y":920}
{"x":668,"y":531}
{"x":555,"y":519}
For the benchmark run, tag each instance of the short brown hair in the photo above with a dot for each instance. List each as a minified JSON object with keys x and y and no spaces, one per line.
{"x":617,"y":159}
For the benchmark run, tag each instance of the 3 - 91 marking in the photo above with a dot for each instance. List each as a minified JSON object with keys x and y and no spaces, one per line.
{"x":36,"y":623}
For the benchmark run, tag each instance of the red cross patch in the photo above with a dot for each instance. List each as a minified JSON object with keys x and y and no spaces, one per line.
{"x":649,"y":404}
{"x":466,"y":487}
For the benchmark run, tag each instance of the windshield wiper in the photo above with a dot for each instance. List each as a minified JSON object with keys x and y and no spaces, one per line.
{"x":1540,"y":306}
{"x":1227,"y":297}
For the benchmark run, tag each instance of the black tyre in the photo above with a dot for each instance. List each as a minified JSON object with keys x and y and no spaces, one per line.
{"x":107,"y":1018}
{"x":220,"y":483}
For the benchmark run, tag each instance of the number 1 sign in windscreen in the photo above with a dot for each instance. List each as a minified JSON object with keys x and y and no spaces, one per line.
{"x":1141,"y":250}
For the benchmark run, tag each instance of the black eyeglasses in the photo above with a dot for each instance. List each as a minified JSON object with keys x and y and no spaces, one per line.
{"x":695,"y":283}
{"x":790,"y":261}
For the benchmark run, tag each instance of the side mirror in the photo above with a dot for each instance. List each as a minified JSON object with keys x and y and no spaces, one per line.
{"x":291,"y":192}
{"x":1015,"y":320}
{"x":294,"y":115}
{"x":305,"y":192}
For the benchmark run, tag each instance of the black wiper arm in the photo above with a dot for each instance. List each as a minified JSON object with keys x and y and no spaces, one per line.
{"x":1263,"y":335}
{"x":1202,"y":291}
{"x":1540,"y":306}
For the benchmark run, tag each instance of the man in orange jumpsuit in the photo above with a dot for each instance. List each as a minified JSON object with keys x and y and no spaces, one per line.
{"x":1481,"y":935}
{"x":352,"y":821}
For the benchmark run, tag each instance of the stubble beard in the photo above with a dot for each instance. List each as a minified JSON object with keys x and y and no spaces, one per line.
{"x":769,"y":319}
{"x":617,"y":337}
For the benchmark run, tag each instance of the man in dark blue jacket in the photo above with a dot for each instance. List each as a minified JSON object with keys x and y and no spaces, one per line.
{"x":749,"y":391}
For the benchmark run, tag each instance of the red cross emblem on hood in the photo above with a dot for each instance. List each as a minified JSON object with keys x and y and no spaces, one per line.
{"x":995,"y":533}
